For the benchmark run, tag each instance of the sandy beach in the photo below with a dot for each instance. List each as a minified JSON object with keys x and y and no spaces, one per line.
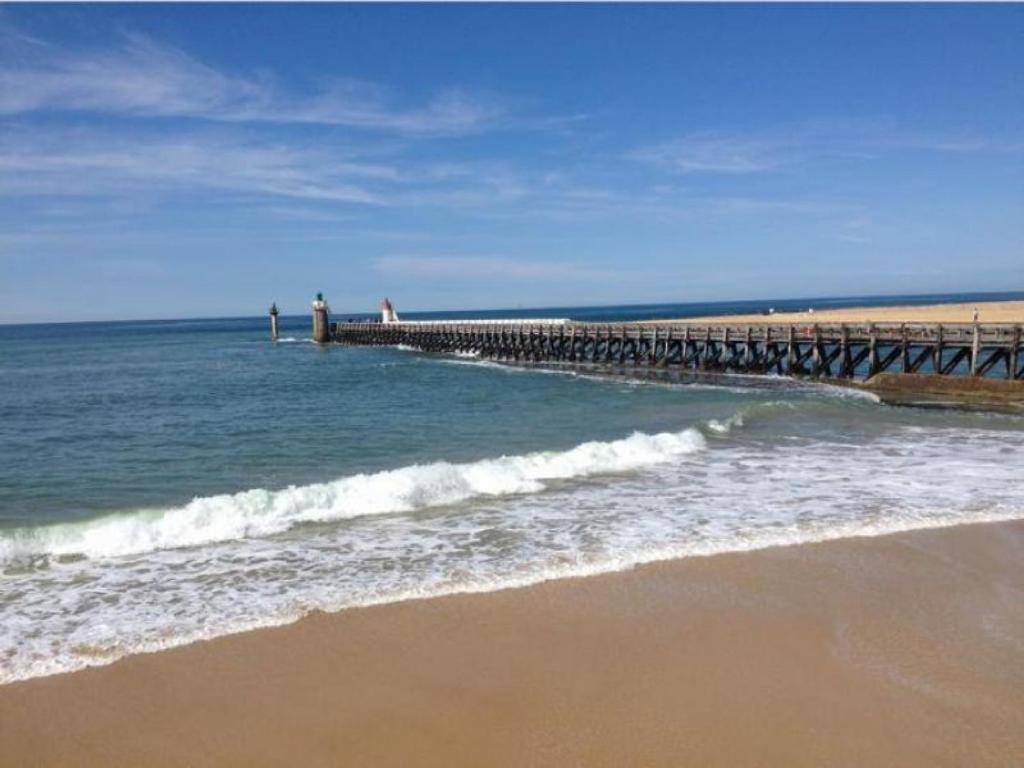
{"x":988,"y":312}
{"x":896,"y":650}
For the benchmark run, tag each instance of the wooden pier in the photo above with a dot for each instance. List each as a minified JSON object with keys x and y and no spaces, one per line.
{"x":846,"y":351}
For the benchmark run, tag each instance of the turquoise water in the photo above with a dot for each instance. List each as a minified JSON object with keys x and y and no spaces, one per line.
{"x":162,"y":482}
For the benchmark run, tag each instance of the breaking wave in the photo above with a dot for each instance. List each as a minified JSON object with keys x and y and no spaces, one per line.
{"x":258,"y":512}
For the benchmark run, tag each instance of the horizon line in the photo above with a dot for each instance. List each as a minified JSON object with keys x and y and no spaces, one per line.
{"x":1009,"y":296}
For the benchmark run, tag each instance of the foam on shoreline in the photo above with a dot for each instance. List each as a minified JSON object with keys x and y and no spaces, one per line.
{"x":259,"y":512}
{"x":85,"y":655}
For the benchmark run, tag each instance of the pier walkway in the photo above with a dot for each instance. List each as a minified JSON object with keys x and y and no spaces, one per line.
{"x":828,"y":351}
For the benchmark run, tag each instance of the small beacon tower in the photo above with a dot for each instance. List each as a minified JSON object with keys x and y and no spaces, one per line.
{"x":387,"y":312}
{"x":321,"y":327}
{"x":273,"y":322}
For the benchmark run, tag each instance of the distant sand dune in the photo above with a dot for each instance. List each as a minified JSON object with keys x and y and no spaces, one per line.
{"x":988,"y":312}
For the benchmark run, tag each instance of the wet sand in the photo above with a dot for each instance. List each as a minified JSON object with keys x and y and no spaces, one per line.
{"x":988,"y":312}
{"x":900,"y":650}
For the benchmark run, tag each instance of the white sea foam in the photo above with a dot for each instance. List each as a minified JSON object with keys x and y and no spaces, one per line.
{"x":851,"y":393}
{"x":294,"y":340}
{"x":595,"y":516}
{"x":742,"y":384}
{"x":477,"y":362}
{"x":87,"y":645}
{"x":258,"y":512}
{"x":724,"y":427}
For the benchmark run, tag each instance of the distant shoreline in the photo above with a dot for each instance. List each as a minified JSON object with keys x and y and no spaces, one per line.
{"x":585,"y":312}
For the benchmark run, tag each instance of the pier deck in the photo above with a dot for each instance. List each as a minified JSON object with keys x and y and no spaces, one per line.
{"x":851,"y":351}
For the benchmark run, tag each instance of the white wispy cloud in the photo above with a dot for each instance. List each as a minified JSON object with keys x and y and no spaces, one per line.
{"x":62,"y":164}
{"x":142,"y":77}
{"x":289,"y":178}
{"x":709,"y":152}
{"x":482,"y":267}
{"x":118,"y":176}
{"x":311,"y":215}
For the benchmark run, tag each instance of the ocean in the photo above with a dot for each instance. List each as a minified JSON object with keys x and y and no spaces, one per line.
{"x":167,"y":481}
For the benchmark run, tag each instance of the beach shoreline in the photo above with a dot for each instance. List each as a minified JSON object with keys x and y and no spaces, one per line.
{"x":900,"y":649}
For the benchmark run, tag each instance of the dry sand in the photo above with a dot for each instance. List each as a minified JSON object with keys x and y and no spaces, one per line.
{"x":988,"y":312}
{"x":903,"y":650}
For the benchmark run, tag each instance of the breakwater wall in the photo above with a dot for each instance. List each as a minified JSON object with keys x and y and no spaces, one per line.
{"x":829,"y":351}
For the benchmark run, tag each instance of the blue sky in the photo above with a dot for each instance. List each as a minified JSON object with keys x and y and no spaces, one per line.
{"x":176,"y":161}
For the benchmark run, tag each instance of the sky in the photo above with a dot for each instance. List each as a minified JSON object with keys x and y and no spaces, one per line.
{"x":161,"y":161}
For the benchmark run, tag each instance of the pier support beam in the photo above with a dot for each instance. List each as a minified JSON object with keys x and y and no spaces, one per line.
{"x":975,"y":349}
{"x":845,"y":366}
{"x":872,"y":351}
{"x":1011,"y":361}
{"x":817,"y":361}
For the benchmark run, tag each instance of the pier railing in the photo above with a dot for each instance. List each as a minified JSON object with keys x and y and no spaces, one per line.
{"x":825,"y":350}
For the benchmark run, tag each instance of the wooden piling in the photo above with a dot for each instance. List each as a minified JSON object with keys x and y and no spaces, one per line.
{"x":975,"y":348}
{"x":904,"y":350}
{"x":816,"y":354}
{"x":872,"y":350}
{"x":1011,"y":361}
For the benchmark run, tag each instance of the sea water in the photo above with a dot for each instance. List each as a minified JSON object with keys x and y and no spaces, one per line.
{"x":164,"y":482}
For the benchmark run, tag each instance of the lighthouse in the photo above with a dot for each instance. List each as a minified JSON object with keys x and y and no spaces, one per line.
{"x":273,"y":321}
{"x":387,"y":312}
{"x":321,"y":326}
